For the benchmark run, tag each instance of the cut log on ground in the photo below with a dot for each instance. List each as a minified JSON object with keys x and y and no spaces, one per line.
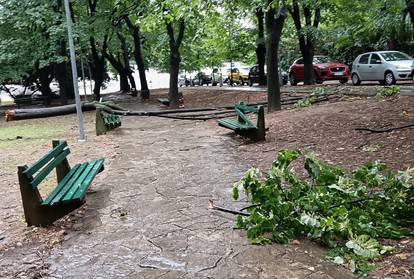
{"x":110,"y":107}
{"x":19,"y":114}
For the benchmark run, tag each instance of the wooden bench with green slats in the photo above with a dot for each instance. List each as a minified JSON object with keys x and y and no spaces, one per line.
{"x":69,"y":193}
{"x":106,"y":121}
{"x":243,"y":125}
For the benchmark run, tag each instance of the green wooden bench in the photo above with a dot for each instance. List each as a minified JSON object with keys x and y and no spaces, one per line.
{"x":106,"y":121}
{"x":69,"y":192}
{"x":243,"y":125}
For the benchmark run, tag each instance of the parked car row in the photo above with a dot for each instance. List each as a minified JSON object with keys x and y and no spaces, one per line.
{"x":386,"y":67}
{"x":254,"y":76}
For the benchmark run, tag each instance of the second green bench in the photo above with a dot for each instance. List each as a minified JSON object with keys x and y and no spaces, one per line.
{"x":243,"y":125}
{"x":106,"y":121}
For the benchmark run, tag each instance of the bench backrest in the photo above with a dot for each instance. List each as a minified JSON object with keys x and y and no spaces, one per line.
{"x":241,"y":116}
{"x":39,"y":170}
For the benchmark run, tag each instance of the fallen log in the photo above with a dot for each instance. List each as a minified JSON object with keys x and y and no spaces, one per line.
{"x":110,"y":107}
{"x":19,"y":114}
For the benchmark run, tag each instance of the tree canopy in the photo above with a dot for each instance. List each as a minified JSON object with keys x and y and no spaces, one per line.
{"x":109,"y":34}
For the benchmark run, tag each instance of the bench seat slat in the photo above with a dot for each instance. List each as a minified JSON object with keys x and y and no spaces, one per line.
{"x":235,"y":125}
{"x":61,"y":185}
{"x":86,"y":173}
{"x":80,"y":193}
{"x":47,"y":169}
{"x":39,"y":164}
{"x":68,"y":186}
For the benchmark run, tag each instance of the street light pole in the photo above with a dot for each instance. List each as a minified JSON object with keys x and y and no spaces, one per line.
{"x":74,"y":73}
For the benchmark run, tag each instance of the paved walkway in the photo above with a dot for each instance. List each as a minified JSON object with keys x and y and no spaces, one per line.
{"x":149,"y":216}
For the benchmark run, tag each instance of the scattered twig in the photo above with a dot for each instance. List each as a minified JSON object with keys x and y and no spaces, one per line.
{"x":385,"y":130}
{"x":250,"y":206}
{"x":235,"y":212}
{"x":211,"y":267}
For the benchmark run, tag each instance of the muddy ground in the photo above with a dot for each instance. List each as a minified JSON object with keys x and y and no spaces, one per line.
{"x":147,"y":215}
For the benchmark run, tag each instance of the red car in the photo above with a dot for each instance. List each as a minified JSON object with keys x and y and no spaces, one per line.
{"x":324,"y":69}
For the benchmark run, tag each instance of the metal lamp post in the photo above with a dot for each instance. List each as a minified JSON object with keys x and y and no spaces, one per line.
{"x":74,"y":73}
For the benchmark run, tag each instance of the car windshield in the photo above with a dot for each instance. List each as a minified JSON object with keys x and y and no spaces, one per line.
{"x":395,"y":56}
{"x":321,"y":60}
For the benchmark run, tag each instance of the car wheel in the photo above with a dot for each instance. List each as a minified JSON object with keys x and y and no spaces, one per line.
{"x":389,"y":78}
{"x":343,"y":81}
{"x":292,"y":80}
{"x":355,"y":79}
{"x":319,"y":81}
{"x":250,"y":82}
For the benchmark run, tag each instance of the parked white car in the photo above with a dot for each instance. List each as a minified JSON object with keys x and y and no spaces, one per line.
{"x":387,"y":67}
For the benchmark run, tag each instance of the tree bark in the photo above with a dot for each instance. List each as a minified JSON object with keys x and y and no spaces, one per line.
{"x":306,"y":41}
{"x":98,"y":65}
{"x":274,"y":27}
{"x":45,"y":78}
{"x":136,"y":34}
{"x":127,"y":67}
{"x":261,"y":47}
{"x":175,"y":59}
{"x":122,"y":71}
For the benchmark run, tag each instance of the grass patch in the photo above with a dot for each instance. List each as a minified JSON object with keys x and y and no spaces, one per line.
{"x":29,"y":133}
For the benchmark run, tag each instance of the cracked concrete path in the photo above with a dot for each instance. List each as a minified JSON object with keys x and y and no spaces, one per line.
{"x":148,"y":216}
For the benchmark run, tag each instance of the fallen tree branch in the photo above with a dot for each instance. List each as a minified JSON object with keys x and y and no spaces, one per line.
{"x":250,"y":206}
{"x":212,"y":206}
{"x":385,"y":130}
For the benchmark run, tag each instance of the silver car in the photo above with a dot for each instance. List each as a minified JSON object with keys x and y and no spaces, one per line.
{"x":384,"y":66}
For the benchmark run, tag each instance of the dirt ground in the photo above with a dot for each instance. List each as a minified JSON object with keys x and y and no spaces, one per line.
{"x":147,"y":214}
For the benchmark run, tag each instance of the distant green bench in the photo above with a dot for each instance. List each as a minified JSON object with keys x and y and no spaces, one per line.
{"x":243,"y":125}
{"x":69,"y":193}
{"x":106,"y":121}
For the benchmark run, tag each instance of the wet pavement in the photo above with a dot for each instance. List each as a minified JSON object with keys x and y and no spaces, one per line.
{"x":147,"y":216}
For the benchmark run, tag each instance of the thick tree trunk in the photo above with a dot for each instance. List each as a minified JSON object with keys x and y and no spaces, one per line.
{"x":175,"y":60}
{"x":123,"y":83}
{"x":309,"y":73}
{"x":174,"y":71}
{"x":45,"y":78}
{"x":410,"y":10}
{"x":261,"y":47}
{"x":122,"y":71}
{"x":274,"y":27}
{"x":145,"y":93}
{"x":306,"y":37}
{"x":126,"y":65}
{"x":98,"y":65}
{"x":60,"y":74}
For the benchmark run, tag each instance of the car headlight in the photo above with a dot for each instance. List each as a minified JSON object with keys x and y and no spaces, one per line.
{"x":402,"y":68}
{"x":322,"y":67}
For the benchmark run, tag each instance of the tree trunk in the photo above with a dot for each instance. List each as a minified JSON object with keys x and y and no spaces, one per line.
{"x":175,"y":60}
{"x":309,"y":73}
{"x":60,"y":74}
{"x":127,"y":67}
{"x":261,"y":47}
{"x":145,"y":93}
{"x":45,"y":78}
{"x":123,"y":73}
{"x":306,"y":37}
{"x":410,"y":10}
{"x":274,"y":27}
{"x":174,"y":71}
{"x":98,"y":65}
{"x":123,"y":83}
